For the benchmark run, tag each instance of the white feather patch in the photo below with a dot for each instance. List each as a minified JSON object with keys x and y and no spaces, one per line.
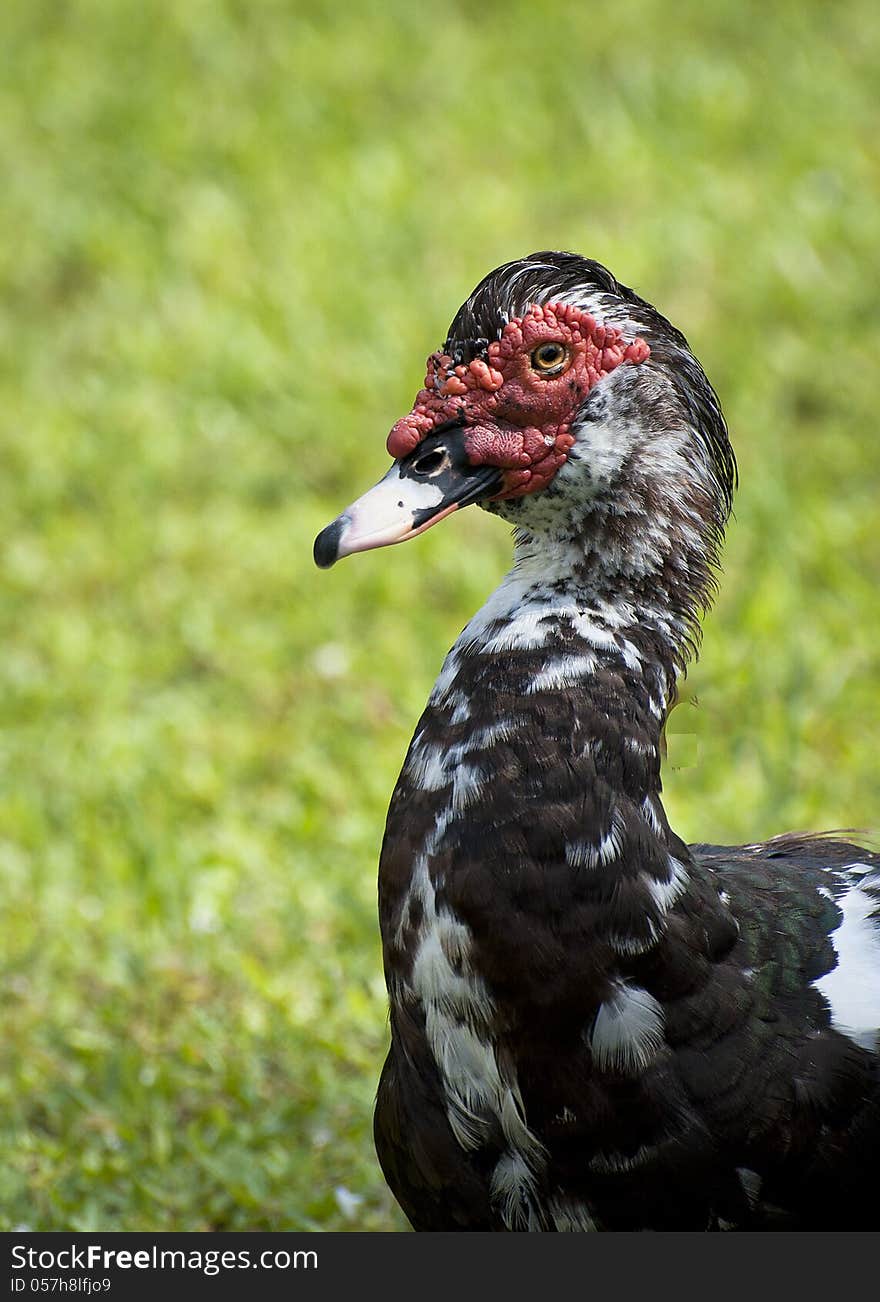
{"x":852,"y":987}
{"x":593,"y":632}
{"x":565,"y":672}
{"x":649,"y":813}
{"x":585,"y":854}
{"x":628,"y":1031}
{"x":615,"y":1163}
{"x":664,"y":894}
{"x":447,"y":676}
{"x":433,"y":766}
{"x":458,"y":1011}
{"x":514,"y":1191}
{"x":570,"y":1217}
{"x":426,"y":768}
{"x":461,"y":706}
{"x":630,"y":946}
{"x":437,"y":981}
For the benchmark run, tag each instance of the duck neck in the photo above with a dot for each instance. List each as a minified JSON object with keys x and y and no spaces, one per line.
{"x":541,"y":748}
{"x":559,"y":621}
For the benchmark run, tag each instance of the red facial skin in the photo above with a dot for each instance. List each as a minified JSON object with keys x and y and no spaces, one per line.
{"x":515,"y":417}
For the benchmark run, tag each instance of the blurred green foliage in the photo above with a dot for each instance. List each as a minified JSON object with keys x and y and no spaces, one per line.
{"x":229,"y":233}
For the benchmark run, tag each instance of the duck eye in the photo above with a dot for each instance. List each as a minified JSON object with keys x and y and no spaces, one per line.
{"x":431,"y":461}
{"x":549,"y":359}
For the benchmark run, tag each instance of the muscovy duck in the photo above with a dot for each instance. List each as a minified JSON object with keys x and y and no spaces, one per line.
{"x":594,"y":1025}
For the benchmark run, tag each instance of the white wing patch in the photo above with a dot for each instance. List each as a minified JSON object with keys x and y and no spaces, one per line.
{"x":852,"y":987}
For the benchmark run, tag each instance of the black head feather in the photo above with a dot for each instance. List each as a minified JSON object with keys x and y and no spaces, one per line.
{"x":541,"y":278}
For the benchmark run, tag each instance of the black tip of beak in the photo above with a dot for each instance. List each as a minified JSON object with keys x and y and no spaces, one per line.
{"x":326,"y":549}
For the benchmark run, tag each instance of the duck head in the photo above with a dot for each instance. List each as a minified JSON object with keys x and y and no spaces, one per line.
{"x":566,"y":404}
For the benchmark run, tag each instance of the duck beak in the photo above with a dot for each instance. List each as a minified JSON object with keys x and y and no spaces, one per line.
{"x":422,"y":489}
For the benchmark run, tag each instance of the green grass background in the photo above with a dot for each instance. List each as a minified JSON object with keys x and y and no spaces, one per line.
{"x":229,"y":234}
